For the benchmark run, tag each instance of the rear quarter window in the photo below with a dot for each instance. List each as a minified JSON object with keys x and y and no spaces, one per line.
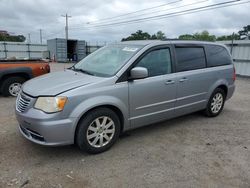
{"x":190,"y":58}
{"x":217,"y":56}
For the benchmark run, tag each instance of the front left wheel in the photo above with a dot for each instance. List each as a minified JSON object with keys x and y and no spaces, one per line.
{"x":98,"y":131}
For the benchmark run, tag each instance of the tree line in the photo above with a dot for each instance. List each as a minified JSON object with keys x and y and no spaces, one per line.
{"x":11,"y":38}
{"x":202,"y":36}
{"x":140,"y":35}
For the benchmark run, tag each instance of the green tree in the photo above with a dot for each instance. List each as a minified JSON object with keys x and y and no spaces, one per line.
{"x":160,"y":35}
{"x":186,"y":37}
{"x":11,"y":38}
{"x":228,"y":37}
{"x":153,"y":37}
{"x":138,"y":35}
{"x":245,"y":32}
{"x":203,"y":36}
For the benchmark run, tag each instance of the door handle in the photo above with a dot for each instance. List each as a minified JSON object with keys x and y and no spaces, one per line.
{"x":169,"y":82}
{"x":183,"y":79}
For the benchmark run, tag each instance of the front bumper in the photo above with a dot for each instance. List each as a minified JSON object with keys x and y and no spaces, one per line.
{"x":46,"y":131}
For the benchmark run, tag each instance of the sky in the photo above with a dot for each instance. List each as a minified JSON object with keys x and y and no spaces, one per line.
{"x":94,"y":20}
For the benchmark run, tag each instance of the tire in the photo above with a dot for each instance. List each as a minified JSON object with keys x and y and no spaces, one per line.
{"x":12,"y":85}
{"x":92,"y":129}
{"x":216,"y":103}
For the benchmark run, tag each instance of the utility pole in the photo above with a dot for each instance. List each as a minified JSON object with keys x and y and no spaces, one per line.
{"x":41,"y":36}
{"x":67,"y":26}
{"x":29,"y":38}
{"x":232,"y":44}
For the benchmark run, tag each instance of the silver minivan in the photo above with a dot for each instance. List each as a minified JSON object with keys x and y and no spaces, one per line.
{"x":124,"y":86}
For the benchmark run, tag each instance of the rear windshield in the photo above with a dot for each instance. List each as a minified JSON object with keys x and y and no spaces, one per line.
{"x":108,"y":60}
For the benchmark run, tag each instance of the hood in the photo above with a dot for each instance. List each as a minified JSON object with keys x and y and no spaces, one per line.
{"x":58,"y":82}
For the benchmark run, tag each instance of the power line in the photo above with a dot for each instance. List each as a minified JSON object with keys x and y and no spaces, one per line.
{"x":177,"y":12}
{"x":117,"y":17}
{"x":130,"y":13}
{"x":173,"y":15}
{"x":187,"y":11}
{"x":185,"y":5}
{"x":141,"y":10}
{"x":54,"y":34}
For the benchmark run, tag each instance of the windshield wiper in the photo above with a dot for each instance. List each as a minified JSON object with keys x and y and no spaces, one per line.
{"x":72,"y":68}
{"x":83,"y":71}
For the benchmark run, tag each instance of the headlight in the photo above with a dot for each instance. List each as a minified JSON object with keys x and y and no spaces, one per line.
{"x":50,"y":104}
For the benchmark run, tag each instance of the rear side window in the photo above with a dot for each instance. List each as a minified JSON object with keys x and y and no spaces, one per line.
{"x":217,"y":56}
{"x":190,"y":58}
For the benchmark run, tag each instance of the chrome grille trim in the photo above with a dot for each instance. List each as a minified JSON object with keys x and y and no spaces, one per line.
{"x":22,"y":102}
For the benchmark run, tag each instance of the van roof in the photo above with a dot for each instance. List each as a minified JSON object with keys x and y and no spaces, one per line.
{"x":157,"y":42}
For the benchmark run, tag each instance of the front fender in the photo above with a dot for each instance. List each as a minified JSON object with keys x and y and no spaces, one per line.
{"x":94,"y":102}
{"x":16,"y":70}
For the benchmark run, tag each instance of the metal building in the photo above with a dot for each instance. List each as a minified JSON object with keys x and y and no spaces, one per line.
{"x":63,"y":50}
{"x":240,"y":50}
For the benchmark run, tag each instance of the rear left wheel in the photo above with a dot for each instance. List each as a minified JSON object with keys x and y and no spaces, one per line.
{"x":216,"y":103}
{"x":98,"y":131}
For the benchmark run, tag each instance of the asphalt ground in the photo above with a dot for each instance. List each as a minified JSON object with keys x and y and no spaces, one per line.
{"x":190,"y":151}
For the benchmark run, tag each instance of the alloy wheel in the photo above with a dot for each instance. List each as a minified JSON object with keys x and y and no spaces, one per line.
{"x":100,"y":132}
{"x":217,"y":103}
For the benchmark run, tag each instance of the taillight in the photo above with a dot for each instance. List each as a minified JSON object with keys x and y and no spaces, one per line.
{"x":47,"y":68}
{"x":234,"y":75}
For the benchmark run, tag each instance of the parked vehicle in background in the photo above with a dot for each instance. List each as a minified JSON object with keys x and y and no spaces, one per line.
{"x":13,"y":73}
{"x":124,"y":86}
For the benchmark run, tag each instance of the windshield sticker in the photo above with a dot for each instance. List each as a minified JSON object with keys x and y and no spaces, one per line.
{"x":129,"y":49}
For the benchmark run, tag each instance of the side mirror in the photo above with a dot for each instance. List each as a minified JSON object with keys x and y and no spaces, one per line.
{"x":138,"y":73}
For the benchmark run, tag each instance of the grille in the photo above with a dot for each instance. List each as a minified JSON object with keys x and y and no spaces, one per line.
{"x":22,"y":103}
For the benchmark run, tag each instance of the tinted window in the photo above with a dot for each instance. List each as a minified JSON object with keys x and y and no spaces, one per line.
{"x":217,"y":55}
{"x":190,"y":58}
{"x":158,"y":62}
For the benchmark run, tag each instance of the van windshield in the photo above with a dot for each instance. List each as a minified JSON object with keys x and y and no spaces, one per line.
{"x":108,"y":60}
